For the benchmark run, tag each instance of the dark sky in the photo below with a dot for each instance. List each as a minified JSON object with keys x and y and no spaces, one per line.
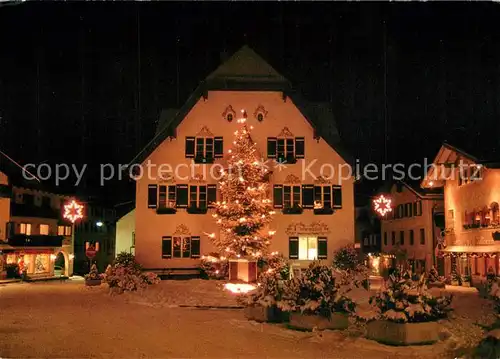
{"x":75,"y":88}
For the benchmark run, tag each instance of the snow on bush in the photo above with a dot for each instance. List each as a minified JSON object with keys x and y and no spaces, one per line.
{"x":269,"y":290}
{"x":405,"y":301}
{"x":214,"y":266}
{"x":319,"y":290}
{"x":274,"y":262}
{"x":126,"y":275}
{"x":346,"y":258}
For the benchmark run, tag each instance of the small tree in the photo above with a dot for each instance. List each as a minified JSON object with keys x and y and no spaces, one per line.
{"x":346,"y":258}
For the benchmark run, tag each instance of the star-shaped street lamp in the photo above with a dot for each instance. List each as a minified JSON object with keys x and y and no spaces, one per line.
{"x":382,"y":205}
{"x":73,"y":211}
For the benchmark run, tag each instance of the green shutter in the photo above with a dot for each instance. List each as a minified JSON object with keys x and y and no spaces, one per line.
{"x":218,"y":147}
{"x":195,"y":247}
{"x":322,"y":248}
{"x":166,"y":247}
{"x":299,"y":147}
{"x":337,"y":196}
{"x":293,"y":247}
{"x":189,"y":147}
{"x":212,"y":194}
{"x":271,"y":147}
{"x":152,"y":195}
{"x":307,"y":196}
{"x":278,"y":196}
{"x":182,"y":195}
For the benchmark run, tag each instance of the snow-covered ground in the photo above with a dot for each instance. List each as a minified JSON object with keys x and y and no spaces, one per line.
{"x":70,"y":320}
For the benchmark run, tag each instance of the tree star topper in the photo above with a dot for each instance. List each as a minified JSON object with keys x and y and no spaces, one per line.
{"x":73,"y":211}
{"x":382,"y":205}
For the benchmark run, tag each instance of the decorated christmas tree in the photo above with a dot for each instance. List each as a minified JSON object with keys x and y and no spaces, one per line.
{"x":244,"y":209}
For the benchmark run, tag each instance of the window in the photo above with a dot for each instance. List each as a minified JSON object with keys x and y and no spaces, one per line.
{"x":286,"y":149}
{"x":60,"y":230}
{"x":198,"y":196}
{"x":179,"y":246}
{"x":67,"y":230}
{"x":422,"y":236}
{"x":412,"y":237}
{"x":317,"y":197}
{"x":308,"y":248}
{"x":166,"y":196}
{"x":44,"y":229}
{"x":291,"y":196}
{"x":469,"y":174}
{"x":393,"y":238}
{"x":402,"y":238}
{"x":204,"y":149}
{"x":322,"y":197}
{"x":385,"y":238}
{"x":25,"y":228}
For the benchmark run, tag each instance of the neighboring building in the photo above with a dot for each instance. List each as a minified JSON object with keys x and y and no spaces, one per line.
{"x":367,"y":230}
{"x":5,"y":194}
{"x":36,"y":235}
{"x":97,"y":226}
{"x":125,"y":233}
{"x":409,"y":233}
{"x":315,"y":216}
{"x":471,"y":241}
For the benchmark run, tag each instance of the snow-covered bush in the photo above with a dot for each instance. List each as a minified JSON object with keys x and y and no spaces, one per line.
{"x":214,"y":266}
{"x":126,"y":275}
{"x":319,"y":290}
{"x":405,"y":301}
{"x":93,"y":274}
{"x":269,"y":291}
{"x":346,"y":258}
{"x":276,"y":263}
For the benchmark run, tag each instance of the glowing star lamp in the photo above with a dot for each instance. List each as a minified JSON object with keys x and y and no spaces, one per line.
{"x":73,"y":211}
{"x":382,"y":205}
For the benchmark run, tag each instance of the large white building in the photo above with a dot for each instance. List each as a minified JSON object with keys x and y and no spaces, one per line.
{"x":314,"y":213}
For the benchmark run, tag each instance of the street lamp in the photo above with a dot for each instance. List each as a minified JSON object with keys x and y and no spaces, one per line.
{"x":73,"y":211}
{"x":99,"y":224}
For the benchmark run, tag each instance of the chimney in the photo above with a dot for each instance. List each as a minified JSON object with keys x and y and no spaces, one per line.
{"x":224,"y":56}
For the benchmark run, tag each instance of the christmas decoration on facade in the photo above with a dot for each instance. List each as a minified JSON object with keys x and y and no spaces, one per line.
{"x":260,"y":113}
{"x":229,"y":114}
{"x":73,"y":211}
{"x":382,"y":205}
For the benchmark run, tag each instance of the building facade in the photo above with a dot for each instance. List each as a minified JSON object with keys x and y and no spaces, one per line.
{"x":470,"y":243}
{"x":36,"y":237}
{"x":125,"y":233}
{"x":314,"y":213}
{"x":409,"y":232}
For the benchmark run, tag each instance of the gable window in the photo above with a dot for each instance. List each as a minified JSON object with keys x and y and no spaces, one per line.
{"x":203,"y":149}
{"x":180,"y":247}
{"x":44,"y":229}
{"x":469,"y":173}
{"x":286,"y":150}
{"x":308,"y":248}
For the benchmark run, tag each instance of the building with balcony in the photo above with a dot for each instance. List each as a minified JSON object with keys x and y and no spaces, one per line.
{"x":410,"y":231}
{"x":314,"y":209}
{"x":35,"y":237}
{"x":470,"y":243}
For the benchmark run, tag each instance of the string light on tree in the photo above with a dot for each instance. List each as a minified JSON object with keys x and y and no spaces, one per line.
{"x":382,"y":205}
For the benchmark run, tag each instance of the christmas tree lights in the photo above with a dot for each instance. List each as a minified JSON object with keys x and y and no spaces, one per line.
{"x":245,"y":209}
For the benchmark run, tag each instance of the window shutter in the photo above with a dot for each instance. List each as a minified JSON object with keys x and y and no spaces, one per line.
{"x":419,"y":211}
{"x":212,"y":195}
{"x":271,"y":147}
{"x":195,"y":247}
{"x":322,"y":248}
{"x":293,"y":247}
{"x":182,"y":195}
{"x":152,"y":195}
{"x":218,"y":147}
{"x":415,"y":208}
{"x":189,"y":147}
{"x":166,"y":247}
{"x":307,"y":196}
{"x":337,"y":196}
{"x":299,"y":147}
{"x":278,"y":196}
{"x":10,"y":230}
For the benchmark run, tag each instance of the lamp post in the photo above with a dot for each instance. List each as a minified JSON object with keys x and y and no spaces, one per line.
{"x":73,"y":211}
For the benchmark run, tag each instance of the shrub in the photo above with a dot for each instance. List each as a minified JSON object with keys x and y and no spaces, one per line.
{"x":93,"y":274}
{"x":214,"y":266}
{"x":276,"y":263}
{"x":12,"y":270}
{"x":126,"y":275}
{"x":404,"y":301}
{"x":268,"y":292}
{"x":346,"y":258}
{"x":319,"y":290}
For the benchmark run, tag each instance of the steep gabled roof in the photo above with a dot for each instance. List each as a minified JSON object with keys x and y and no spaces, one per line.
{"x":246,"y":65}
{"x":247,"y":71}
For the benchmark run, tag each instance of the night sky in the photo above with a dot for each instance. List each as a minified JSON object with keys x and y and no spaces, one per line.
{"x":76,"y":85}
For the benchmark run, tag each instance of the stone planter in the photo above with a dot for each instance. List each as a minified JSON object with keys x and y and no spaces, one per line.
{"x":264,"y":314}
{"x":387,"y":332}
{"x":92,"y":282}
{"x":309,"y":322}
{"x":436,"y":285}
